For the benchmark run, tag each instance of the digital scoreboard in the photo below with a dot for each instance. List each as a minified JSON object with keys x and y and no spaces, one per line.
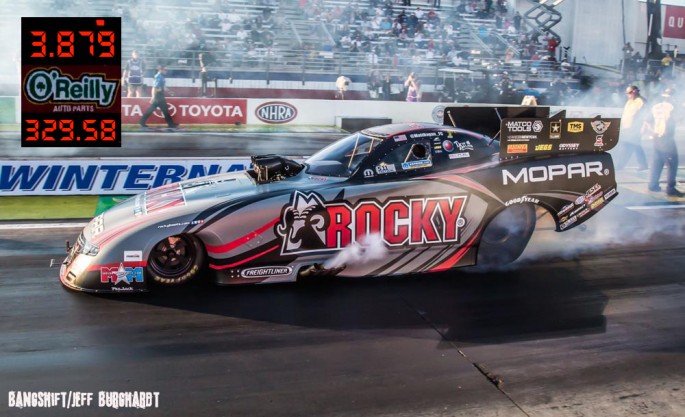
{"x":71,"y":79}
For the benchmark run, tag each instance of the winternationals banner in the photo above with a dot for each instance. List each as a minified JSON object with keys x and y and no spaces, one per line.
{"x":674,"y":22}
{"x":187,"y":111}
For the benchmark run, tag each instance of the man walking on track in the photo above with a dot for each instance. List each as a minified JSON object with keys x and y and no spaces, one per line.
{"x":158,"y":101}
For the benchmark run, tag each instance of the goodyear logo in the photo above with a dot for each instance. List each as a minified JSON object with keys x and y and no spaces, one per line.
{"x":517,"y":148}
{"x":51,"y":86}
{"x":575,"y":127}
{"x":544,"y":147}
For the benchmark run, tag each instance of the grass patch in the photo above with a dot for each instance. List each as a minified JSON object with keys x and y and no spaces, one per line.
{"x":47,"y":207}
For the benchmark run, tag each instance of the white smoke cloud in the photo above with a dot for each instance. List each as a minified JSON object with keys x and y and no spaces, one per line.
{"x":622,"y":224}
{"x":370,"y":248}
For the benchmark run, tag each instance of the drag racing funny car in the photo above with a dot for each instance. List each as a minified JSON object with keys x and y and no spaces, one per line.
{"x":388,"y":200}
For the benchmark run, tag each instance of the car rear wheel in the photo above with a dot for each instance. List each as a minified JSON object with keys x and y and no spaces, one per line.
{"x":506,"y":236}
{"x":176,"y":259}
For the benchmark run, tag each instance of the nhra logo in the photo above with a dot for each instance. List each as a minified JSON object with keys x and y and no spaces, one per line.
{"x":127,"y":275}
{"x":52,"y":87}
{"x":308,"y":224}
{"x":276,"y":112}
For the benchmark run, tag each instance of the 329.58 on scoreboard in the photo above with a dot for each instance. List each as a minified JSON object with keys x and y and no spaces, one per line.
{"x":71,"y":72}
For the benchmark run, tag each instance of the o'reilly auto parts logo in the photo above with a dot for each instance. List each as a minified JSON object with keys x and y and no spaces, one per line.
{"x":276,"y":112}
{"x":51,"y":86}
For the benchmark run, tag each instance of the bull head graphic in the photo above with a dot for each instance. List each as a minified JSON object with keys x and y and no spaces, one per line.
{"x":303,"y":224}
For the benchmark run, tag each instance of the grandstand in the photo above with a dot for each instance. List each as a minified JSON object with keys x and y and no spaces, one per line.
{"x":297,"y":48}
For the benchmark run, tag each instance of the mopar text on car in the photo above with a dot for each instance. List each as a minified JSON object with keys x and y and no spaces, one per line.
{"x":431,"y":197}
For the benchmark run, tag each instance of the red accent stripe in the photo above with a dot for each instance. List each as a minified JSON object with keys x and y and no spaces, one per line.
{"x":449,"y":263}
{"x":227,"y":247}
{"x":219,"y":267}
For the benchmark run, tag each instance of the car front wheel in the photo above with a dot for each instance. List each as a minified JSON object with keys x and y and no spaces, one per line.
{"x":175,"y":260}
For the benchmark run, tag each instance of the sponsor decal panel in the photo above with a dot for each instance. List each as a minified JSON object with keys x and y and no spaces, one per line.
{"x":121,"y":275}
{"x":310,"y":224}
{"x":422,"y":163}
{"x":537,"y":126}
{"x":188,"y":110}
{"x":568,"y":223}
{"x":425,"y":135}
{"x":600,"y":126}
{"x":51,"y":86}
{"x":599,"y":141}
{"x":368,"y":173}
{"x":276,"y":112}
{"x":447,"y":145}
{"x":464,"y":146}
{"x":521,"y":138}
{"x":522,"y":200}
{"x":544,"y":173}
{"x":597,"y":203}
{"x":517,"y":148}
{"x":133,"y":256}
{"x":385,"y":169}
{"x":610,"y":193}
{"x":575,"y":127}
{"x":519,"y":126}
{"x":543,"y":147}
{"x":555,"y":130}
{"x":569,"y":146}
{"x":118,"y":176}
{"x":459,"y":155}
{"x":266,"y":271}
{"x":566,"y":209}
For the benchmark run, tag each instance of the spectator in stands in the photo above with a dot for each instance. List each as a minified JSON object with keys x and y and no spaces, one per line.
{"x":386,"y":87}
{"x":374,"y":86}
{"x":517,"y":21}
{"x":133,"y":75}
{"x":158,"y":101}
{"x":412,"y":85}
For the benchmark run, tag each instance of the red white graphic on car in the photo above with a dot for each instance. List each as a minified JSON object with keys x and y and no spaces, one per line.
{"x":309,"y":224}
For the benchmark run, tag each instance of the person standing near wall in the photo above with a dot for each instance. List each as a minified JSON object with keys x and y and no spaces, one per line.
{"x":632,"y":121}
{"x":133,"y":75}
{"x":412,"y":86}
{"x":158,"y":101}
{"x":663,"y":120}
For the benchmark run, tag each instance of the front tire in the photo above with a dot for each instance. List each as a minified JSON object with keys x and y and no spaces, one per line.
{"x":506,"y":236}
{"x":176,"y":260}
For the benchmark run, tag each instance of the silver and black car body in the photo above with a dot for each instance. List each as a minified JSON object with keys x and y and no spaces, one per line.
{"x":433,"y":197}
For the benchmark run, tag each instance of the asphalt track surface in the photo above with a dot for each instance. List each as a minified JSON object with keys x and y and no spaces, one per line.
{"x":588,"y":323}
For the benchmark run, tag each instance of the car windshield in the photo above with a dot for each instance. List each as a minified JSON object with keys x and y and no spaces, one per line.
{"x":342,"y":158}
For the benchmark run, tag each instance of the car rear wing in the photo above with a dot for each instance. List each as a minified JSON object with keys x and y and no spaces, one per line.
{"x":529,"y":131}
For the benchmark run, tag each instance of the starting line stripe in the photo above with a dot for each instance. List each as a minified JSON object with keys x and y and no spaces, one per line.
{"x":21,"y":226}
{"x":657,"y":207}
